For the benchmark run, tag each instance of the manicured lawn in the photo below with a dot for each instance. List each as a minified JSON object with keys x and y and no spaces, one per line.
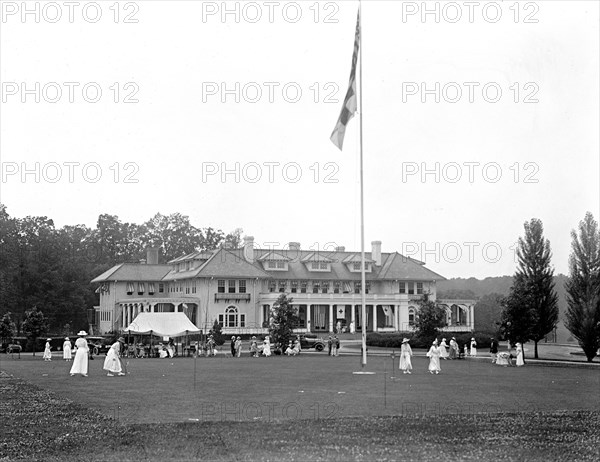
{"x":310,"y":407}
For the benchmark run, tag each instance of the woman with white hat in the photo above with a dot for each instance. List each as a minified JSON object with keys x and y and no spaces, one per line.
{"x":267,"y":347}
{"x":112,"y":364}
{"x":434,"y":358}
{"x":67,"y":349}
{"x":443,"y":349}
{"x":473,"y":347}
{"x":80,"y":363}
{"x":47,"y":354}
{"x":405,"y":354}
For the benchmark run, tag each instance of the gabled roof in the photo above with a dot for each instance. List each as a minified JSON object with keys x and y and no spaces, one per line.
{"x":273,"y":256}
{"x":316,"y":256}
{"x":356,"y":257}
{"x":134,"y":272}
{"x":400,"y":267}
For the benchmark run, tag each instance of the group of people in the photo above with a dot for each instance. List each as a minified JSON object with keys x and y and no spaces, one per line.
{"x":440,"y":351}
{"x":333,"y":345}
{"x":112,"y":364}
{"x":67,"y":352}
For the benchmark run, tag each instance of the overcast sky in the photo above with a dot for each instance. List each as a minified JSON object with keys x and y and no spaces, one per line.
{"x":228,"y":120}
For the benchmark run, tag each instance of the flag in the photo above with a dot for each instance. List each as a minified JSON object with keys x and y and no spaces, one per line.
{"x":350,"y":102}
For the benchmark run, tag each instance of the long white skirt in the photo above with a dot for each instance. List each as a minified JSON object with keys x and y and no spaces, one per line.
{"x":434,"y":363}
{"x":405,"y":362}
{"x":67,"y":352}
{"x":80,"y":363}
{"x":47,"y":354}
{"x":112,"y":363}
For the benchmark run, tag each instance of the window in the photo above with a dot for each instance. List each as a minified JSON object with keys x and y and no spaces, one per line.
{"x":282,"y":285}
{"x":411,"y":316}
{"x":303,"y":285}
{"x":271,"y":265}
{"x":231,"y":318}
{"x":231,"y":286}
{"x":314,"y":265}
{"x":272,"y":285}
{"x":356,"y":266}
{"x":242,"y":286}
{"x":316,"y":285}
{"x":280,"y":265}
{"x":141,"y":288}
{"x":325,"y":287}
{"x":187,"y":287}
{"x":187,"y":265}
{"x":194,"y":286}
{"x":150,"y":288}
{"x":402,"y":287}
{"x":357,"y":285}
{"x":419,"y":288}
{"x":336,"y":287}
{"x":411,"y":288}
{"x":221,"y":286}
{"x":294,"y":286}
{"x":129,"y":288}
{"x":266,"y":315}
{"x":324,"y":265}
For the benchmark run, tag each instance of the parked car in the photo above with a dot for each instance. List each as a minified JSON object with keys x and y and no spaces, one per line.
{"x":98,"y":345}
{"x":312,"y":341}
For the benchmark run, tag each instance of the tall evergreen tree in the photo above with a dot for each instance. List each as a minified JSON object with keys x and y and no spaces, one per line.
{"x":532,"y":306}
{"x":284,"y":319}
{"x":583,"y":287}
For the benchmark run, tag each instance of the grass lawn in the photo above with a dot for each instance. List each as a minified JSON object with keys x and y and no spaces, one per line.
{"x":310,"y":407}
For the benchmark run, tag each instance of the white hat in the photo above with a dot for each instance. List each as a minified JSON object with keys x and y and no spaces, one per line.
{"x":48,"y":340}
{"x":82,"y":333}
{"x":405,"y":340}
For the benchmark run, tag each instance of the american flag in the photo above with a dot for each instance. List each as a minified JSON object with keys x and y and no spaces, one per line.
{"x":350,"y":103}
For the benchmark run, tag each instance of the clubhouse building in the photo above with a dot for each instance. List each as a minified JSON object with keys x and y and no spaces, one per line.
{"x":238,"y":287}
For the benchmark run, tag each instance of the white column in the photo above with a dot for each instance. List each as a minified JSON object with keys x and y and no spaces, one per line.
{"x":374,"y":318}
{"x":123,"y":315}
{"x":330,"y":317}
{"x":396,"y":321}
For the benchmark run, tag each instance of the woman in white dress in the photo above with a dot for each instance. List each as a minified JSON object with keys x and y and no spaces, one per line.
{"x":434,"y":358}
{"x":267,"y":347}
{"x":520,"y":361}
{"x":80,"y":363}
{"x":473,"y":347}
{"x":444,"y":349}
{"x":67,"y":356}
{"x":47,"y":353}
{"x":405,"y":354}
{"x":112,"y":363}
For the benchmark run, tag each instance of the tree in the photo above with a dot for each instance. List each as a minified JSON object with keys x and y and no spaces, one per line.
{"x":7,"y":328}
{"x":217,"y":334}
{"x":429,"y":318}
{"x":488,"y":312}
{"x":532,"y":306}
{"x":284,"y":317}
{"x":583,"y":287}
{"x":34,"y":325}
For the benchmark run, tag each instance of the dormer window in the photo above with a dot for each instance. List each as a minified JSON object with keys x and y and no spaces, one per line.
{"x":354,"y":267}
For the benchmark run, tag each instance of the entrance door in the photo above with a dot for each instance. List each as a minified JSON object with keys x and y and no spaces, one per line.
{"x":320,"y":318}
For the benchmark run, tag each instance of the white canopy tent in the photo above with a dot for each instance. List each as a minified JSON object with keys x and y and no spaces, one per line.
{"x":162,"y":324}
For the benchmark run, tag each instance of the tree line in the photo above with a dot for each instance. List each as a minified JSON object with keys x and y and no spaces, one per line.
{"x":50,"y":268}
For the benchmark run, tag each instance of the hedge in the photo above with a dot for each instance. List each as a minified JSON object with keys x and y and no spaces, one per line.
{"x":394,"y":340}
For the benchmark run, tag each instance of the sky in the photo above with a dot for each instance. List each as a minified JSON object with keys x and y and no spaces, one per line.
{"x":477,"y":117}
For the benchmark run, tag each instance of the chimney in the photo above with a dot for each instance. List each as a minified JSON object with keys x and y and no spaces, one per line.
{"x":340,"y":248}
{"x":249,"y":249}
{"x":376,"y":252}
{"x":152,"y":256}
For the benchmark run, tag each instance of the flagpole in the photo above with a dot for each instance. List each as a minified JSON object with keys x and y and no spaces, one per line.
{"x":362,"y":211}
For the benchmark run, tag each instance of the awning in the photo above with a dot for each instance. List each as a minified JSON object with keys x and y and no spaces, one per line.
{"x":162,"y":324}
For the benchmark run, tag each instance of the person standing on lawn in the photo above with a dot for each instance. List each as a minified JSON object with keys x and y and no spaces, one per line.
{"x":238,"y":347}
{"x":405,"y":354}
{"x":329,"y":345}
{"x":112,"y":363}
{"x":47,"y":353}
{"x":232,"y":346}
{"x":253,"y":347}
{"x":453,"y":348}
{"x":267,"y":347}
{"x":80,"y":363}
{"x":520,"y":361}
{"x":434,"y":358}
{"x":443,"y":349}
{"x":67,"y":356}
{"x":336,"y":343}
{"x":473,"y":347}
